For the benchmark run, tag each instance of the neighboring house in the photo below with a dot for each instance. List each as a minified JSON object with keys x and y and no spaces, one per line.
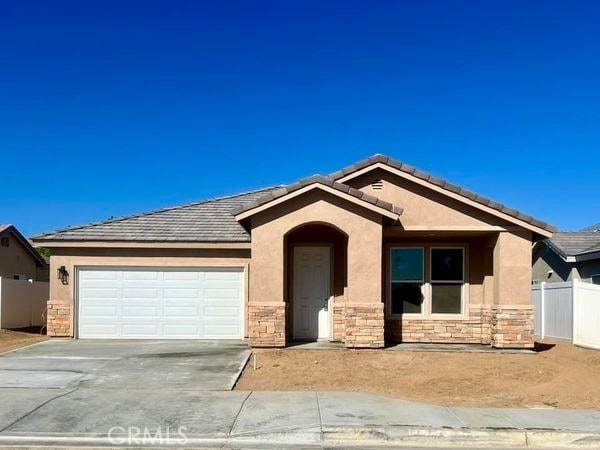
{"x":18,"y":259}
{"x":568,"y":256}
{"x":377,"y":252}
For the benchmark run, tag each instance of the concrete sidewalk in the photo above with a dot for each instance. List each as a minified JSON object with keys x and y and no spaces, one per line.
{"x":83,"y":416}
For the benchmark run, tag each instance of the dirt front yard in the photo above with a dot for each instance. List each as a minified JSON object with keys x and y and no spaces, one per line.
{"x":562,"y":376}
{"x":10,"y":340}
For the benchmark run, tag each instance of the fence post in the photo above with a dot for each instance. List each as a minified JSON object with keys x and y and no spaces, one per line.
{"x":575,"y":302}
{"x":543,"y":308}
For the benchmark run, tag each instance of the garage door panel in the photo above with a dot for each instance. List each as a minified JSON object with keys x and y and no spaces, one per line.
{"x":221,"y":332}
{"x":222,"y":275}
{"x":179,"y":276}
{"x":139,"y":275}
{"x":101,"y":330}
{"x":99,"y":275}
{"x":177,"y":293}
{"x":100,"y":311}
{"x":182,"y":311}
{"x":139,"y":311}
{"x":221,"y":292}
{"x":106,"y":293}
{"x":145,"y":330}
{"x":161,"y":304}
{"x":140,"y":293}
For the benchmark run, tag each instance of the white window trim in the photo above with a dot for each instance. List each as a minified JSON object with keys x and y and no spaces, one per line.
{"x":424,"y":277}
{"x":426,"y":306}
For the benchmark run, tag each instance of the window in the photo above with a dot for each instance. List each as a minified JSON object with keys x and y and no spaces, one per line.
{"x":596,"y":279}
{"x":447,"y":278}
{"x":437,"y":290}
{"x":4,"y":241}
{"x":407,"y":278}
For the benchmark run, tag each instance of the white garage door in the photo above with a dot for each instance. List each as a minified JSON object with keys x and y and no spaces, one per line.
{"x":141,"y":303}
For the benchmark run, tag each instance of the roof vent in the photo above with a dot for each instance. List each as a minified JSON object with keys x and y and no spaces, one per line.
{"x":377,"y":185}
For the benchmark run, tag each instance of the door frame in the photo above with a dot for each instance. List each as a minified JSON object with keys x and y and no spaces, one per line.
{"x":330,"y":299}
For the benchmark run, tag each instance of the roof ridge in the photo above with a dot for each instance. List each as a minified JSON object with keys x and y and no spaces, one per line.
{"x":441,"y":183}
{"x":159,"y":210}
{"x":318,"y":179}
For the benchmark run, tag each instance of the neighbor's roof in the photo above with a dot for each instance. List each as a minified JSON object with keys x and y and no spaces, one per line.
{"x":575,"y":244}
{"x":204,"y":221}
{"x":399,"y":165}
{"x":594,"y":228}
{"x":11,"y":229}
{"x":213,"y":221}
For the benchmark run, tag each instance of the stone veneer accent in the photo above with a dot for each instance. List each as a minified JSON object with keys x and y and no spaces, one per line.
{"x":266,"y":325}
{"x":473,"y":330}
{"x":364,"y":326}
{"x":339,"y":323}
{"x":59,"y":319}
{"x":512,"y":326}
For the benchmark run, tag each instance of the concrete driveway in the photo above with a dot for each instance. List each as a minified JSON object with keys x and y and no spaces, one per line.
{"x":127,"y":364}
{"x":152,"y":393}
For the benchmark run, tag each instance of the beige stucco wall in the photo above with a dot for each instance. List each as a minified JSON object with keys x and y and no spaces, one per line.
{"x":364,"y":231}
{"x":423,"y":207}
{"x":512,"y":268}
{"x":72,"y":258}
{"x":15,"y":259}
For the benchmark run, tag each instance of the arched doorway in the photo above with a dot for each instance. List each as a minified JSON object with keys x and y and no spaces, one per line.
{"x":316,"y":280}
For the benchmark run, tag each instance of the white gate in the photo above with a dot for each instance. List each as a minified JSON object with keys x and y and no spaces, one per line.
{"x":553,"y":306}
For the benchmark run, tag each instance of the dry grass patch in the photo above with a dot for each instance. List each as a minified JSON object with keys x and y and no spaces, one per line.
{"x":563,"y":376}
{"x":13,"y":339}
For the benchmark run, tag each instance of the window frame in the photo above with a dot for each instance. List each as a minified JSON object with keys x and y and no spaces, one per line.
{"x":426,"y":309}
{"x":461,"y":283}
{"x":423,"y":279}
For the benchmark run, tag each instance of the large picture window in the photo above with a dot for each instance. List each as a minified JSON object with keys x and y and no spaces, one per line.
{"x":437,"y":290}
{"x":407,"y":277}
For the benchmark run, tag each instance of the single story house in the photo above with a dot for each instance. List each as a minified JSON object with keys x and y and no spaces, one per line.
{"x":377,"y":252}
{"x":18,"y":259}
{"x":568,"y":256}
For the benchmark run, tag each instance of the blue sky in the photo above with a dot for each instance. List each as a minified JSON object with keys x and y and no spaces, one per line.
{"x":109,"y":108}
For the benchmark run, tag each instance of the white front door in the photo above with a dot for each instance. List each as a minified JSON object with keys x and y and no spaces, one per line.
{"x":311,"y":292}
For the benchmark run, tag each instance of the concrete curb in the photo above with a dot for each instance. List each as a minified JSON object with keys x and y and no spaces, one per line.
{"x":343,"y":437}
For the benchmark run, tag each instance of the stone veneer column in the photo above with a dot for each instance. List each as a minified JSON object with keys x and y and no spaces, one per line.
{"x":364,"y":326}
{"x":59,"y":319}
{"x":512,"y":326}
{"x":339,"y":323}
{"x":266,"y":325}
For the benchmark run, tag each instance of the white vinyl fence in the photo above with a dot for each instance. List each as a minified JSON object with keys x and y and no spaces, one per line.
{"x":586,"y":312}
{"x":22,"y":303}
{"x":569,"y":310}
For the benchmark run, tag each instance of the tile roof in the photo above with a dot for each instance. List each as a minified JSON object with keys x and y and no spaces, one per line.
{"x":213,"y":220}
{"x":204,"y":221}
{"x":574,"y":243}
{"x":326,"y":181}
{"x":441,"y":183}
{"x":594,"y":228}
